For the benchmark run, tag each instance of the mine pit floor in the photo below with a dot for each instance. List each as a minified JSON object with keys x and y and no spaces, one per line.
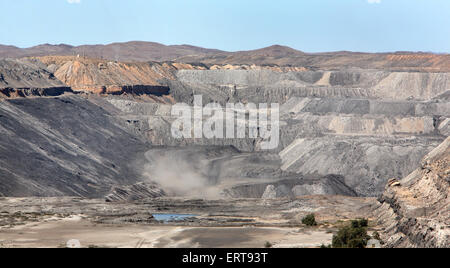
{"x":237,"y":223}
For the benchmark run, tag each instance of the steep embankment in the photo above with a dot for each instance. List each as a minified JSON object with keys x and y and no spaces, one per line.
{"x":223,"y":171}
{"x":22,"y":78}
{"x":134,"y":192}
{"x":274,"y":86}
{"x":248,"y":83}
{"x":416,"y":210}
{"x":146,"y":78}
{"x":99,"y":76}
{"x":350,"y":123}
{"x":355,"y":138}
{"x":294,"y":187}
{"x":64,"y":146}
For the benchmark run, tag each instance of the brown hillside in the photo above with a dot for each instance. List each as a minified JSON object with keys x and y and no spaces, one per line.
{"x":273,"y":55}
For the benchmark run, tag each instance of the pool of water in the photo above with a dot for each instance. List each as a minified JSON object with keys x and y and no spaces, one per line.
{"x":172,"y":217}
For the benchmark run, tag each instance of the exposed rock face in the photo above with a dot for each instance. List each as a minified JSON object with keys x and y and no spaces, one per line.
{"x":146,"y":78}
{"x":293,"y":187}
{"x":355,"y":138}
{"x":10,"y":93}
{"x":26,"y":74}
{"x":444,"y":127}
{"x":365,"y":162}
{"x":269,"y":86}
{"x":65,"y":146}
{"x":246,"y":83}
{"x":270,"y":192}
{"x":350,"y":122}
{"x":99,"y":76}
{"x":25,"y":78}
{"x":329,"y":185}
{"x":416,"y":210}
{"x":104,"y":126}
{"x":134,"y":192}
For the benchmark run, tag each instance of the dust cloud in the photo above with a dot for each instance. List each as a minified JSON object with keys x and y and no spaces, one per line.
{"x":179,"y":175}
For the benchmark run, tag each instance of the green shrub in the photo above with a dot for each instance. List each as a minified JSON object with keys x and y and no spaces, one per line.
{"x":352,"y":236}
{"x":309,"y":220}
{"x":360,"y":223}
{"x":268,"y":245}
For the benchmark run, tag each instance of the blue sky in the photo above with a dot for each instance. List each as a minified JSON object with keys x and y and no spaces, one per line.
{"x":307,"y":25}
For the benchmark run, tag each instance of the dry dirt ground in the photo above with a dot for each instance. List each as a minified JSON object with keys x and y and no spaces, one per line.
{"x":243,"y":223}
{"x":57,"y":233}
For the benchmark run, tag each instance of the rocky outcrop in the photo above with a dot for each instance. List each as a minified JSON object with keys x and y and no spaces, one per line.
{"x":415,"y":211}
{"x":134,"y":192}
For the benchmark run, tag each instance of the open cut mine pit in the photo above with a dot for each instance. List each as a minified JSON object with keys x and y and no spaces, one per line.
{"x":89,"y":141}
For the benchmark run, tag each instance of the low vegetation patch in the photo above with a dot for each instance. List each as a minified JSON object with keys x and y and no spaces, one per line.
{"x":309,"y":220}
{"x":352,"y":236}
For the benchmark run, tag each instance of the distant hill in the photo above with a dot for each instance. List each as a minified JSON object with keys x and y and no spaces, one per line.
{"x":129,"y":51}
{"x":285,"y":56}
{"x":273,"y":55}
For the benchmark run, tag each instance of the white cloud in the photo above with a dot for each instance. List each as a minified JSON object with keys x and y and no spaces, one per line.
{"x":73,"y":1}
{"x":374,"y":1}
